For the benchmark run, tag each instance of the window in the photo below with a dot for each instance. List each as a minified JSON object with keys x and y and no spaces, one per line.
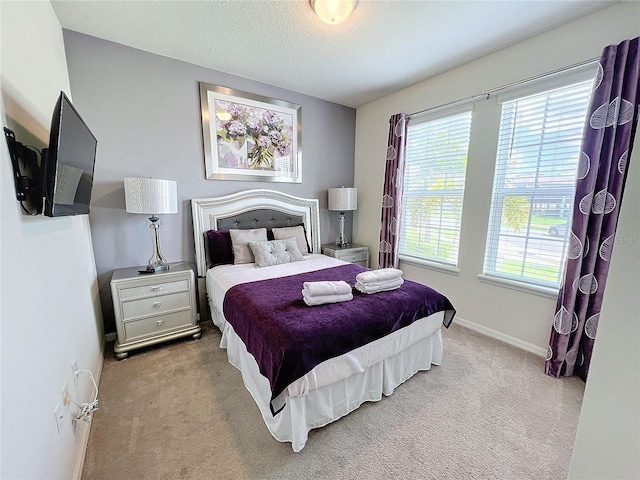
{"x":534,"y":182}
{"x":435,"y":166}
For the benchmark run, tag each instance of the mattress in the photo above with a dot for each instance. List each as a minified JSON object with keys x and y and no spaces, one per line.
{"x":336,"y":386}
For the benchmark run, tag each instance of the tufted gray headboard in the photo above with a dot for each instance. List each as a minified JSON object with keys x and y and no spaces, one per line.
{"x":252,"y":209}
{"x":267,"y":218}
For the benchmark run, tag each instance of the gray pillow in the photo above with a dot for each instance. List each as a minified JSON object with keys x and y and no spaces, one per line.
{"x":240,"y":238}
{"x":280,"y":233}
{"x":276,"y":252}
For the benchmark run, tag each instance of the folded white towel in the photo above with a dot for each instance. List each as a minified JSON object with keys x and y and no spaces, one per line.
{"x":322,"y":299}
{"x":381,"y":275}
{"x":326,"y":288}
{"x":373,"y":285}
{"x":380,"y":286}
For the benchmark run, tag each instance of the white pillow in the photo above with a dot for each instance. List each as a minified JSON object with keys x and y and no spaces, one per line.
{"x":280,"y":233}
{"x":276,"y":252}
{"x":239,"y":241}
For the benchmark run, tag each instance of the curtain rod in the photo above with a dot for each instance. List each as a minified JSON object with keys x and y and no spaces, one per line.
{"x":487,"y":93}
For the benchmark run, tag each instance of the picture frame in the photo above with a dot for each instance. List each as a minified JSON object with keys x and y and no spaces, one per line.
{"x":250,"y":137}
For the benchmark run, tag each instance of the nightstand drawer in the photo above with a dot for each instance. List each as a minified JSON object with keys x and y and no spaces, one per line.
{"x":151,"y":326}
{"x":352,"y":253}
{"x":353,"y":256}
{"x":155,"y":305}
{"x":154,"y":289}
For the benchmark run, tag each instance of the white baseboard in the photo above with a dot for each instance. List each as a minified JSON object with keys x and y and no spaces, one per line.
{"x":489,"y":332}
{"x":86,"y":427}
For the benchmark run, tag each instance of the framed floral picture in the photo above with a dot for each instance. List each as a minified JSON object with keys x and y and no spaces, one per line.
{"x":250,"y":137}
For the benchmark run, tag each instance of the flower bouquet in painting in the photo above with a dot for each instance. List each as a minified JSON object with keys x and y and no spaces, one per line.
{"x":249,"y":137}
{"x":252,"y":137}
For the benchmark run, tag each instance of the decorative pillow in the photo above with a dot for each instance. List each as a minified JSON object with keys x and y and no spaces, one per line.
{"x":276,"y":252}
{"x":240,"y":238}
{"x":219,"y":247}
{"x":297,"y":232}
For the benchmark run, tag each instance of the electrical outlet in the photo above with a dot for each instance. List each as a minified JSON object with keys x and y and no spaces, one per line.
{"x":74,"y":369}
{"x":66,"y":396}
{"x":59,"y":416}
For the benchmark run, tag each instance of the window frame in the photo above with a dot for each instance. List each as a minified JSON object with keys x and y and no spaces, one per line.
{"x":430,"y":262}
{"x":490,"y":261}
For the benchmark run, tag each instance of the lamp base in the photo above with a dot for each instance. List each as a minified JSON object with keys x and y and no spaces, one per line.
{"x":342,"y":240}
{"x":157,"y":262}
{"x":154,"y":268}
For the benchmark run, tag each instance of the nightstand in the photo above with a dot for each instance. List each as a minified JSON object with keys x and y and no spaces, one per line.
{"x":352,"y":253}
{"x":153,"y":307}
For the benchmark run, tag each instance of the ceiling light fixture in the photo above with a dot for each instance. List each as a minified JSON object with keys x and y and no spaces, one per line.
{"x":333,"y":11}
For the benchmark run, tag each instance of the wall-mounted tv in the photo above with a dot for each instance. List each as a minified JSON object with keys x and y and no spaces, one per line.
{"x":68,"y":163}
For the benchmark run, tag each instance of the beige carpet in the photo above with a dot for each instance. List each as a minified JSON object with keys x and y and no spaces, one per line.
{"x":180,"y":411}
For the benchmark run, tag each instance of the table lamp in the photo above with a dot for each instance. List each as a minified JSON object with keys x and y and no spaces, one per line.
{"x":342,"y":200}
{"x":152,"y":196}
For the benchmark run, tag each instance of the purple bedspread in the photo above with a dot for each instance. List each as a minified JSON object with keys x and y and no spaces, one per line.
{"x":288,"y":339}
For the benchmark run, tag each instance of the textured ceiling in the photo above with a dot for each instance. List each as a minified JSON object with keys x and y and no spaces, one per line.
{"x":382,"y":47}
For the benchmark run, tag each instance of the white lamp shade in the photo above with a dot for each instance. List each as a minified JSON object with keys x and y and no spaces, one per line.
{"x":150,"y":195}
{"x":343,"y":199}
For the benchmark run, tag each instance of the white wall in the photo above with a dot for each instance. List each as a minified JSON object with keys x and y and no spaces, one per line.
{"x":609,"y":426}
{"x":523,"y":317}
{"x":608,"y":434}
{"x":48,"y":288}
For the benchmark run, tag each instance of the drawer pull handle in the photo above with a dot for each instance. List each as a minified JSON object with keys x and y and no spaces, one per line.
{"x":157,"y":288}
{"x":160,"y":323}
{"x":157,"y":305}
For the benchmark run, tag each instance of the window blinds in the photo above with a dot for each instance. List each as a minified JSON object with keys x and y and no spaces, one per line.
{"x":435,"y":166}
{"x":534,"y":183}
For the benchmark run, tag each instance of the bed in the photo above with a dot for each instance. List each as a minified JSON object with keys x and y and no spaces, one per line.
{"x":299,"y":385}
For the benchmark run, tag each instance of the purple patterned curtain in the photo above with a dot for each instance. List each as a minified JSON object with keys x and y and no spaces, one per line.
{"x":606,"y":151}
{"x":392,"y":194}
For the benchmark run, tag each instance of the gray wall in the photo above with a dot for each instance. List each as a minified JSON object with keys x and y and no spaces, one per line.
{"x":145,"y":111}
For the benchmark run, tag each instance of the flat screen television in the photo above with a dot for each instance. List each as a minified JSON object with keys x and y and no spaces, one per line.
{"x":68,"y":163}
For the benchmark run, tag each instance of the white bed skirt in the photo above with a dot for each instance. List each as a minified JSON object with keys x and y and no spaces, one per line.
{"x":312,"y":402}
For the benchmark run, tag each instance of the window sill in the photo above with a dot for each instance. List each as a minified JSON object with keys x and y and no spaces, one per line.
{"x":430,"y":265}
{"x":548,"y":292}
